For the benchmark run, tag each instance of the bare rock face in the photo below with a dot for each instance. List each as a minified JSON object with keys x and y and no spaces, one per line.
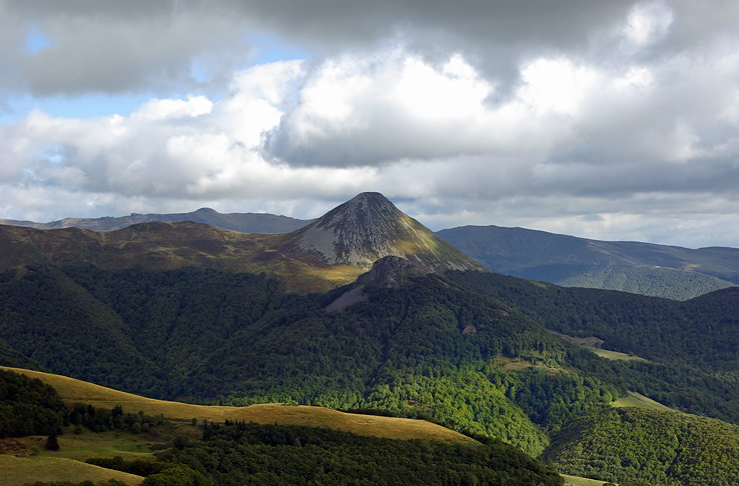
{"x":369,"y":227}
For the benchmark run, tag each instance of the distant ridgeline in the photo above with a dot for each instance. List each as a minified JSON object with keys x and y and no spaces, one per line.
{"x":178,"y":311}
{"x":641,"y":268}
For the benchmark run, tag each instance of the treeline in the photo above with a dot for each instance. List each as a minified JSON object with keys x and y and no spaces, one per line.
{"x":246,"y":453}
{"x":30,"y":407}
{"x":665,"y":448}
{"x":101,"y":419}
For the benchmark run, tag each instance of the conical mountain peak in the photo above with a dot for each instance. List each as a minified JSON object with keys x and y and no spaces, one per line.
{"x":369,"y":227}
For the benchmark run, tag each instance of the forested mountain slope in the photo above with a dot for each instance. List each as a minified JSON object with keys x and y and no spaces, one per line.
{"x":691,"y":348}
{"x":424,"y":349}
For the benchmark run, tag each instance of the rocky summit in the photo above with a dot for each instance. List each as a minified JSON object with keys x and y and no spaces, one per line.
{"x":369,"y":227}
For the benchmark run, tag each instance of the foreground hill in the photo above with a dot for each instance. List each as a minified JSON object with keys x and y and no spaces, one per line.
{"x":242,"y":222}
{"x":72,"y":391}
{"x":278,"y":444}
{"x":20,"y":471}
{"x":641,"y":268}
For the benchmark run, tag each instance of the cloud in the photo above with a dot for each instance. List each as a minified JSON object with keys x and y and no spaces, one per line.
{"x":575,"y":116}
{"x":107,"y":46}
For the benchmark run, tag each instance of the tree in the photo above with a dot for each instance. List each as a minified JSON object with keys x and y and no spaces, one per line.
{"x":52,"y":444}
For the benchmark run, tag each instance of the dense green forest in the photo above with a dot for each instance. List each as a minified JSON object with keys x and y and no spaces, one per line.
{"x":472,"y":351}
{"x":239,"y":454}
{"x":424,"y":350}
{"x":243,"y":454}
{"x":665,"y":448}
{"x":692,"y":347}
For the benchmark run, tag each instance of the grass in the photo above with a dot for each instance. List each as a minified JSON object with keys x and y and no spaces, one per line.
{"x":517,"y":364}
{"x":15,"y":471}
{"x":615,"y":355}
{"x":105,"y":444}
{"x":640,"y":401}
{"x":77,"y":391}
{"x":578,"y":481}
{"x":593,"y":344}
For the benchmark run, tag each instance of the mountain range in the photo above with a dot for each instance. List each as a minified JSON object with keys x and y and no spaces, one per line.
{"x":643,"y":268}
{"x":331,"y":251}
{"x":364,"y":308}
{"x":243,"y":222}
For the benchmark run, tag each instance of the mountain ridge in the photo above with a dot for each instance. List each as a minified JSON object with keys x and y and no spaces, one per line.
{"x":315,"y":258}
{"x":241,"y":222}
{"x":369,"y":227}
{"x":645,"y":268}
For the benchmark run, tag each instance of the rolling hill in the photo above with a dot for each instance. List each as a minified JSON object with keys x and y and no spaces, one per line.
{"x":230,"y":446}
{"x":642,"y":268}
{"x":77,"y":391}
{"x":665,"y":448}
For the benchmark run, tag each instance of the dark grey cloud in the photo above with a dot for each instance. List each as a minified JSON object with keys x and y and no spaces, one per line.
{"x":109,"y":45}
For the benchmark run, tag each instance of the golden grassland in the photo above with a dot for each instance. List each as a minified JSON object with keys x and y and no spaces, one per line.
{"x":77,"y":391}
{"x":15,"y":471}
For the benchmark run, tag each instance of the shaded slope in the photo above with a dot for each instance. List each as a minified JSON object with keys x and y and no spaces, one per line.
{"x":657,"y":270}
{"x":424,"y":348}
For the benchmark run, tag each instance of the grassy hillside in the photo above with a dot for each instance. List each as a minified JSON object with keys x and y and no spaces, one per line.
{"x":296,"y":445}
{"x":637,"y":400}
{"x":166,"y":246}
{"x":17,"y":471}
{"x":578,"y":481}
{"x":77,"y":391}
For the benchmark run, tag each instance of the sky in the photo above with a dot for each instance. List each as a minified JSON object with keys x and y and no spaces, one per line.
{"x":608,"y":119}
